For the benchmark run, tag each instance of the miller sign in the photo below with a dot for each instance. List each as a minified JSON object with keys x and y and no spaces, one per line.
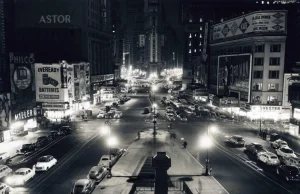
{"x":53,"y":19}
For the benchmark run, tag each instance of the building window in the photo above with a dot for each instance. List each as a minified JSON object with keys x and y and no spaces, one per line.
{"x":257,"y":87}
{"x":200,"y":50}
{"x":190,"y":35}
{"x":273,"y":87}
{"x":200,"y":20}
{"x":258,"y":74}
{"x":260,"y":48}
{"x":190,"y":20}
{"x":275,"y":48}
{"x":195,"y":35}
{"x":272,"y":100}
{"x":256,"y":99}
{"x":200,"y":27}
{"x":259,"y":61}
{"x":195,"y":50}
{"x":190,"y":50}
{"x":274,"y":61}
{"x":200,"y":43}
{"x":273,"y":74}
{"x":200,"y":36}
{"x":190,"y":44}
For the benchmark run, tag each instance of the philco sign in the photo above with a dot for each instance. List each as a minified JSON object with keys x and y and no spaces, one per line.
{"x":25,"y":114}
{"x":19,"y":59}
{"x":55,"y":19}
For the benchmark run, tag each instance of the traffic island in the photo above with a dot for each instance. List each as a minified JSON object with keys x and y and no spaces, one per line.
{"x":134,"y":170}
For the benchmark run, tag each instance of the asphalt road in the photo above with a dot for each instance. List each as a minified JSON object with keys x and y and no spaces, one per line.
{"x":238,"y":172}
{"x":78,"y":152}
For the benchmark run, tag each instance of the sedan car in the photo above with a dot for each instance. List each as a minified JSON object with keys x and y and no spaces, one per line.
{"x":45,"y":163}
{"x":27,"y":149}
{"x":83,"y":186}
{"x":278,"y":143}
{"x":291,"y":161}
{"x":104,"y":161}
{"x":101,"y":115}
{"x":117,"y":152}
{"x":290,"y":173}
{"x":118,"y":114}
{"x":169,"y":109}
{"x":170,"y":116}
{"x":286,"y":152}
{"x":237,"y":140}
{"x":20,"y":177}
{"x":182,"y":118}
{"x":97,"y":173}
{"x":4,"y":189}
{"x":268,"y":158}
{"x":254,"y":148}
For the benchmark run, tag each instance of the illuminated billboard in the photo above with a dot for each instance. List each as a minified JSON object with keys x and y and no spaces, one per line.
{"x":255,"y":22}
{"x":234,"y":75}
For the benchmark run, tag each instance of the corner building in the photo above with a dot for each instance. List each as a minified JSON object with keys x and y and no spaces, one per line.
{"x":247,"y":63}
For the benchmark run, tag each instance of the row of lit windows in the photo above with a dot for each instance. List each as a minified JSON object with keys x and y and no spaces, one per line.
{"x":195,"y":50}
{"x":190,"y":44}
{"x":195,"y":35}
{"x":200,"y":20}
{"x":272,"y":87}
{"x":272,"y":74}
{"x":274,"y":61}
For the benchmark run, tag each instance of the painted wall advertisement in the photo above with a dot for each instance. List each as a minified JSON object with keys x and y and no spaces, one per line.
{"x":5,"y":111}
{"x":256,"y":22}
{"x":22,"y":76}
{"x":233,"y":74}
{"x":48,"y":83}
{"x":81,"y":80}
{"x":70,"y":77}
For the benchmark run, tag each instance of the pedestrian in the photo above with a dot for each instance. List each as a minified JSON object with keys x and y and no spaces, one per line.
{"x":210,"y":169}
{"x":184,"y":144}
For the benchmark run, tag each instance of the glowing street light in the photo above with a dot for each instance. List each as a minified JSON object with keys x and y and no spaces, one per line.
{"x":213,"y":129}
{"x":154,"y":88}
{"x":105,"y":130}
{"x":112,"y":141}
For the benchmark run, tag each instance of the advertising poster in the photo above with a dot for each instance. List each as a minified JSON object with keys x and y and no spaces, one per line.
{"x":64,"y":74}
{"x":87,"y":78}
{"x":234,"y":73}
{"x":76,"y":81}
{"x":48,"y":83}
{"x":22,"y":76}
{"x":82,"y":76}
{"x":5,"y":111}
{"x":257,"y":22}
{"x":70,"y":79}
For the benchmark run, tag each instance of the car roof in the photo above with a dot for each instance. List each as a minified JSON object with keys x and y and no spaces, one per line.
{"x":237,"y":136}
{"x":47,"y":156}
{"x":270,"y":154}
{"x":96,"y":168}
{"x":22,"y":169}
{"x":82,"y":182}
{"x":255,"y":143}
{"x":105,"y":156}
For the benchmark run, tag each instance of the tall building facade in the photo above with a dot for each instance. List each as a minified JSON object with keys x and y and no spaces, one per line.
{"x":152,"y":36}
{"x":4,"y":68}
{"x":247,"y":62}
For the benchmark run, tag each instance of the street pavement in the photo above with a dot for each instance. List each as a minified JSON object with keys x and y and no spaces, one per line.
{"x":82,"y":150}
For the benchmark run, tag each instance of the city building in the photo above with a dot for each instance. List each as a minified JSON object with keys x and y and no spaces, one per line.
{"x":153,"y":38}
{"x":53,"y":33}
{"x":247,"y":63}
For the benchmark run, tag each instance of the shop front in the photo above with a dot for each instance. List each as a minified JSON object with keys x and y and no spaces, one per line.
{"x":5,"y":117}
{"x":55,"y":112}
{"x":24,"y":121}
{"x":268,"y":113}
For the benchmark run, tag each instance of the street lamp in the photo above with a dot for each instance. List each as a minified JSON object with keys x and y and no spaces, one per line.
{"x":154,"y":118}
{"x":206,"y":142}
{"x":107,"y":129}
{"x":154,"y":89}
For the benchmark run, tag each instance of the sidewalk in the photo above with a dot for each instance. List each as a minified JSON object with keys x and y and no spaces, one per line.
{"x":184,"y":167}
{"x":11,"y":147}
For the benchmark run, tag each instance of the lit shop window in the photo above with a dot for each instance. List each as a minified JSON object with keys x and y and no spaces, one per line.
{"x":190,"y":35}
{"x":190,"y":50}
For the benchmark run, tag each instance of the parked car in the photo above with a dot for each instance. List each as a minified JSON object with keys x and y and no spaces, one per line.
{"x":278,"y":143}
{"x":66,"y":129}
{"x":109,"y":115}
{"x":27,"y":149}
{"x":285,"y":152}
{"x":170,"y":116}
{"x":4,"y":156}
{"x":42,"y":141}
{"x":182,"y":118}
{"x":169,"y":109}
{"x":147,"y":110}
{"x":236,"y":140}
{"x":5,"y":171}
{"x":117,"y":152}
{"x":21,"y":176}
{"x":83,"y":186}
{"x":45,"y":163}
{"x":104,"y":161}
{"x":268,"y":158}
{"x":101,"y":115}
{"x":54,"y":134}
{"x":97,"y":173}
{"x":291,"y":161}
{"x":290,"y":173}
{"x":118,"y":114}
{"x":254,"y":148}
{"x":4,"y":189}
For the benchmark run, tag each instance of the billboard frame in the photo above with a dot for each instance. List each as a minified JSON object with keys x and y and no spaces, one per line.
{"x":250,"y":71}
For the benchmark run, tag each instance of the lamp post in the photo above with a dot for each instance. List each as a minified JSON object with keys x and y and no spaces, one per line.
{"x":154,"y":89}
{"x":206,"y":143}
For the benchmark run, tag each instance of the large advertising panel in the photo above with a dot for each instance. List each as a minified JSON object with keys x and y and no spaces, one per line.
{"x":81,"y":80}
{"x":256,"y":22}
{"x":48,"y":83}
{"x":5,"y":111}
{"x":22,"y":76}
{"x":46,"y":13}
{"x":70,"y":77}
{"x":234,"y":74}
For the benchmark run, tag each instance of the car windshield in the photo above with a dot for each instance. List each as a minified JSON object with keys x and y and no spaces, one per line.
{"x":258,"y":147}
{"x":78,"y":189}
{"x":104,"y":159}
{"x":239,"y":138}
{"x":42,"y":159}
{"x":273,"y":157}
{"x":20,"y":173}
{"x":286,"y":150}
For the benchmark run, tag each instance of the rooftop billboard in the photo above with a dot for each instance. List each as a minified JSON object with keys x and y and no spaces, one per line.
{"x":255,"y":22}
